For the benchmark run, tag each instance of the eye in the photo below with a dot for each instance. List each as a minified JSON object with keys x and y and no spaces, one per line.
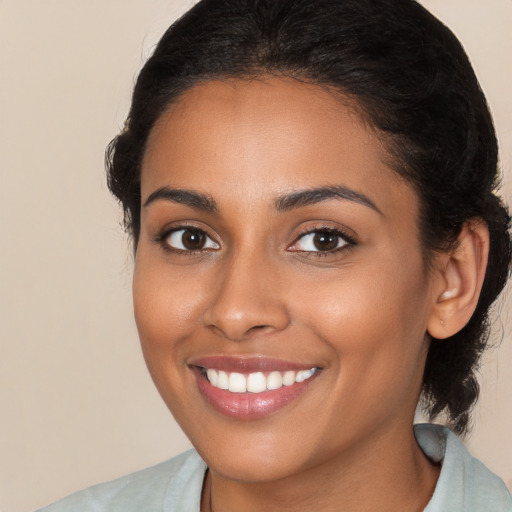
{"x":189,"y":239}
{"x":322,"y":240}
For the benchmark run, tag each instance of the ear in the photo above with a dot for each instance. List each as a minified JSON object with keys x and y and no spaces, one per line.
{"x":460,"y":275}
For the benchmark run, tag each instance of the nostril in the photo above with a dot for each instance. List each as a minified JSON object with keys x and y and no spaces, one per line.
{"x":257,"y":328}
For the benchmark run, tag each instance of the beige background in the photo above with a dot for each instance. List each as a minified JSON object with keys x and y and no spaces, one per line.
{"x":77,"y":405}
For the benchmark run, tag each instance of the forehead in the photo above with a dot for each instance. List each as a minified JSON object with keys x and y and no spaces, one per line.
{"x":264,"y":137}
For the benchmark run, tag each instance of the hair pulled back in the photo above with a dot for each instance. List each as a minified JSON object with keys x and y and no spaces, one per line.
{"x":411,"y":80}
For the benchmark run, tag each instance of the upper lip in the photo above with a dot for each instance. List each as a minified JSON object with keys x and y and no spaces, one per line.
{"x":248,"y":364}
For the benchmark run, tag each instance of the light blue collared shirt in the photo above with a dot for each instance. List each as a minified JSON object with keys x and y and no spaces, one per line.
{"x":464,"y":485}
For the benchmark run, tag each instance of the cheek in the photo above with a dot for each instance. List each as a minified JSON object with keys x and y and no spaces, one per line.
{"x":167,"y":311}
{"x":166,"y":316}
{"x":165,"y":303}
{"x":374,"y":322}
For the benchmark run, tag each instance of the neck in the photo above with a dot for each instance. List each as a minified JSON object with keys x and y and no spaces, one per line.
{"x":391,"y":473}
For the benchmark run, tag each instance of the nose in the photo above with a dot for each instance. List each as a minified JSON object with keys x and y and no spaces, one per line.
{"x":246,"y":300}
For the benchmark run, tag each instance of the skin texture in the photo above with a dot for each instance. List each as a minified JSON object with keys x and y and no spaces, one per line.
{"x":360,"y":313}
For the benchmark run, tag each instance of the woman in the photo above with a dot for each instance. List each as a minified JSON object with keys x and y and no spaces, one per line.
{"x":310,"y":188}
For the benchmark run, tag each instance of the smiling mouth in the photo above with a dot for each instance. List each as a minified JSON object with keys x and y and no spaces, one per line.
{"x":251,"y":388}
{"x":256,"y":382}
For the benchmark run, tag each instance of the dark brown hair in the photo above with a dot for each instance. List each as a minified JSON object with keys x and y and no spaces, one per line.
{"x":412,"y":80}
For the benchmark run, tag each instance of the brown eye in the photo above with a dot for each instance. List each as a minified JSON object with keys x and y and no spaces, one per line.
{"x":325,"y":241}
{"x":189,"y":239}
{"x":193,"y":240}
{"x":322,"y":240}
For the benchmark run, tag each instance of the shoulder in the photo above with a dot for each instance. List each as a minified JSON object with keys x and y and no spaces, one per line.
{"x":464,"y":484}
{"x":170,"y":486}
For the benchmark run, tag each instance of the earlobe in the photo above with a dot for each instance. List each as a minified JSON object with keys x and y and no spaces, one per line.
{"x":461,"y":273}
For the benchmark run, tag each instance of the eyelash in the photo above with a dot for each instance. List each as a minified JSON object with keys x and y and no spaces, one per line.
{"x":350,"y":242}
{"x":161,"y":239}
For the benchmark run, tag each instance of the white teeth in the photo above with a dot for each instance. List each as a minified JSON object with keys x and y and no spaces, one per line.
{"x":303,"y":375}
{"x":237,"y":383}
{"x":213,"y":377}
{"x":274,"y":381}
{"x":289,"y":378}
{"x":222,"y":381}
{"x":256,"y":382}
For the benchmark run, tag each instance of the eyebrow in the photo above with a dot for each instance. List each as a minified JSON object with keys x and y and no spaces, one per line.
{"x":284,"y":203}
{"x":195,"y":200}
{"x":312,"y":196}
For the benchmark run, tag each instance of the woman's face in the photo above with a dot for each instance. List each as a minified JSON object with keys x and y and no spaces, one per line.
{"x":279,"y":252}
